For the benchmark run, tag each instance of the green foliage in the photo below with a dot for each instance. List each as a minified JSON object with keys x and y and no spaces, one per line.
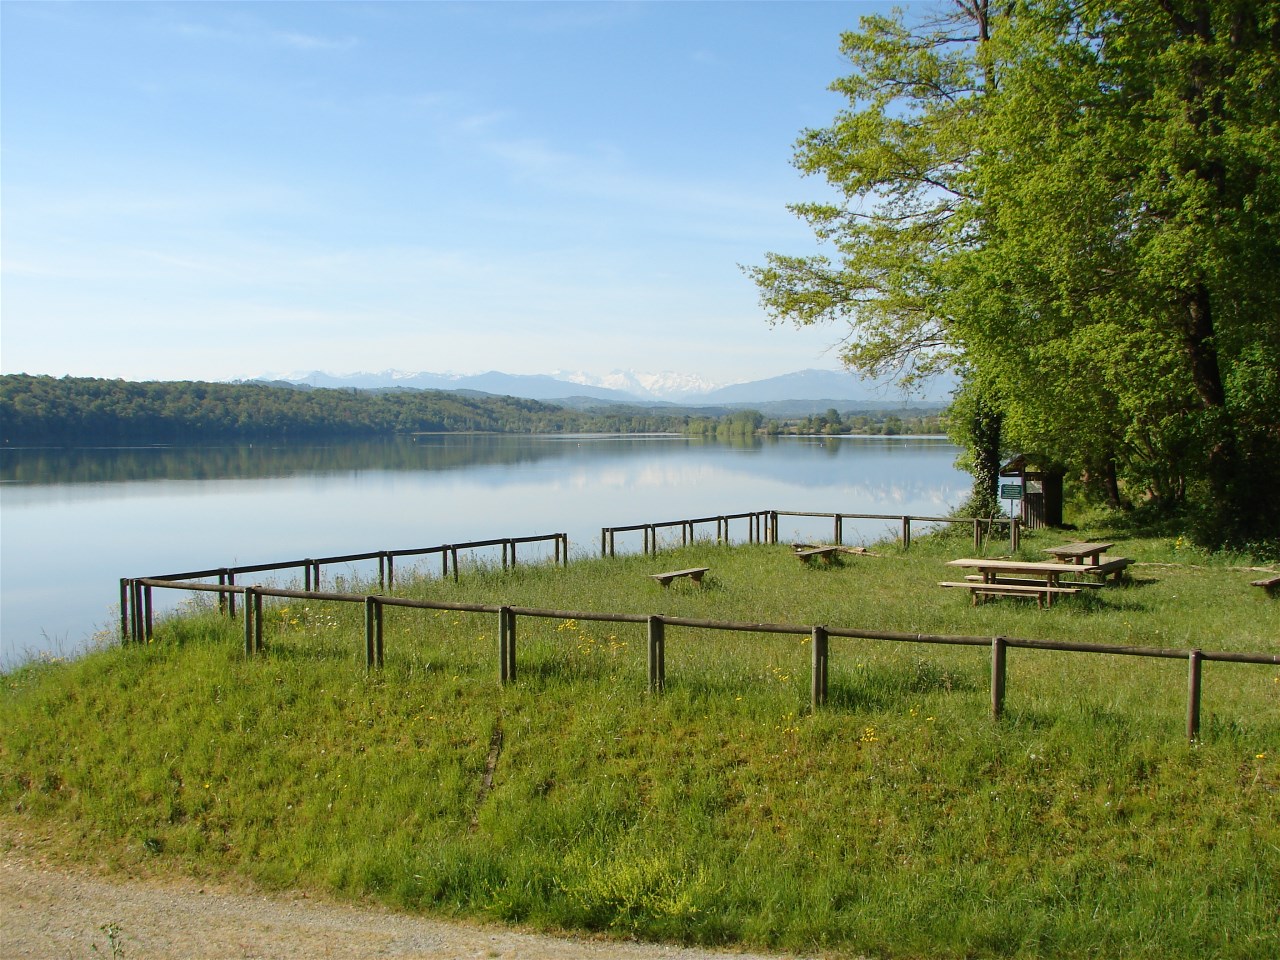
{"x":1078,"y":205}
{"x":1121,"y":293}
{"x":898,"y":159}
{"x":898,"y":821}
{"x":905,"y":422}
{"x":44,"y":410}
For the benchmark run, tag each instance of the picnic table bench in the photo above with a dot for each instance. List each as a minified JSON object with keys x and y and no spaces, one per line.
{"x":693,"y":573}
{"x":1269,"y":584}
{"x":1087,"y":558}
{"x":980,"y":590}
{"x":1079,"y":553}
{"x":1000,"y":578}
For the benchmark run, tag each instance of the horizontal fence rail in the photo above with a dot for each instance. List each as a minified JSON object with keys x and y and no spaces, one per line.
{"x":656,"y":624}
{"x":758,"y":531}
{"x":132,"y":603}
{"x":982,"y":526}
{"x":762,"y":527}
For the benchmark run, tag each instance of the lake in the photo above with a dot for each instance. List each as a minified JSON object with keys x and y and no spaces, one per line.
{"x":75,"y":521}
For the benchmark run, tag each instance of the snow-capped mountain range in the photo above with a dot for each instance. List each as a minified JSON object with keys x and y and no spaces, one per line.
{"x":666,"y":385}
{"x":629,"y":386}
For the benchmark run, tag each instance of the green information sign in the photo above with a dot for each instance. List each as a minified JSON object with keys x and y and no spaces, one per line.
{"x":1010,"y":491}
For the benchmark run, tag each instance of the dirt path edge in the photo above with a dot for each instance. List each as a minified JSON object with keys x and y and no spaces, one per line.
{"x":53,"y":909}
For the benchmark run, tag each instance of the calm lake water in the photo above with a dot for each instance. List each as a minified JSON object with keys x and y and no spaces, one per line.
{"x":75,"y":521}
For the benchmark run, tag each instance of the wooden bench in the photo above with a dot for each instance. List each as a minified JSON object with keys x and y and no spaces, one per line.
{"x":807,"y":553}
{"x":1018,"y":581}
{"x":693,"y":573}
{"x":1043,"y":593}
{"x":1102,"y":570}
{"x":1269,"y":584}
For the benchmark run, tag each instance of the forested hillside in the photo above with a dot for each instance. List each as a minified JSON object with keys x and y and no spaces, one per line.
{"x":41,"y":409}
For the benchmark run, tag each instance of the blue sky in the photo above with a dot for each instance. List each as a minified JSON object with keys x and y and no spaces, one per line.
{"x":217,"y":190}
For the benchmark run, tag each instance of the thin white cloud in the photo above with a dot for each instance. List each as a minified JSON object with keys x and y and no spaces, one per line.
{"x":307,"y":41}
{"x":249,"y":33}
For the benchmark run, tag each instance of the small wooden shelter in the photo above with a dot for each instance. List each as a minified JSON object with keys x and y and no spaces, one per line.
{"x":1041,"y":491}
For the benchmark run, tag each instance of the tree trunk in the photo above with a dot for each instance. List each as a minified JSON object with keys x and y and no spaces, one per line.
{"x":987,"y":423}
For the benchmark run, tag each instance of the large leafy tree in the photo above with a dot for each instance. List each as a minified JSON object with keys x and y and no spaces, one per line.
{"x":1126,"y":292}
{"x":1077,"y":204}
{"x":900,"y":159}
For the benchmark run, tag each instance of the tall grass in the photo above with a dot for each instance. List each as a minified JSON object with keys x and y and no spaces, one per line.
{"x":898,"y":821}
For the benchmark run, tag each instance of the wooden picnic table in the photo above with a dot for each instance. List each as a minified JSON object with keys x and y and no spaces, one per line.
{"x":1041,"y":579}
{"x":1081,"y":554}
{"x":991,"y":570}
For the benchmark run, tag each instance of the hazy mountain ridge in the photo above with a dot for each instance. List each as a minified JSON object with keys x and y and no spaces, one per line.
{"x":833,"y":388}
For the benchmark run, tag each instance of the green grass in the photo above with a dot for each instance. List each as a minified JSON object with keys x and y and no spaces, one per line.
{"x":899,"y":821}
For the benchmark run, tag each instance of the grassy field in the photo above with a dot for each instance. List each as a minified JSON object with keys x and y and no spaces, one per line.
{"x":898,"y":821}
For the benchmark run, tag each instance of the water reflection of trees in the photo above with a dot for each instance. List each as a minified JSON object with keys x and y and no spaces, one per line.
{"x":260,"y":461}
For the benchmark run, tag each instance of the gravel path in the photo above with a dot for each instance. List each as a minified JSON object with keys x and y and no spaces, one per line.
{"x":49,"y":911}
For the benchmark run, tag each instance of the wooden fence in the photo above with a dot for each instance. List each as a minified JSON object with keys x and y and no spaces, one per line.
{"x":137,"y":615}
{"x":136,"y":604}
{"x":657,"y":625}
{"x":762,"y":527}
{"x":983,"y":527}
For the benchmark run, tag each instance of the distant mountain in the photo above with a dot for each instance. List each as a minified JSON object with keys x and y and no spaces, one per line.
{"x":667,"y":385}
{"x":807,"y":385}
{"x":813,"y":390}
{"x":530,"y":387}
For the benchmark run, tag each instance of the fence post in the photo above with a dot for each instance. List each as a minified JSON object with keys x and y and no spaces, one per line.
{"x":906,"y":532}
{"x":997,"y":677}
{"x":382,"y":571}
{"x":257,"y":622}
{"x":977,"y":534}
{"x":453,"y":555}
{"x":391,"y":571}
{"x":657,"y":655}
{"x":818,"y":679}
{"x":1015,"y":534}
{"x":773,"y":526}
{"x":506,"y":645}
{"x":839,"y":532}
{"x":231,"y":597}
{"x":222,"y":597}
{"x":147,"y":616}
{"x":136,"y":613}
{"x":372,"y":633}
{"x":248,"y":622}
{"x":1194,"y":661}
{"x":124,"y":609}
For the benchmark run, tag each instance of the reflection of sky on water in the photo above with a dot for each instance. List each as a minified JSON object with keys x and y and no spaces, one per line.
{"x":66,"y":545}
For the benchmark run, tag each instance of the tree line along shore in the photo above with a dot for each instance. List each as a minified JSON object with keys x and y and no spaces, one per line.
{"x":43,"y":410}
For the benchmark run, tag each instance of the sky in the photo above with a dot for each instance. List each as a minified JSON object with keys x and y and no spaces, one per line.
{"x":221,"y":190}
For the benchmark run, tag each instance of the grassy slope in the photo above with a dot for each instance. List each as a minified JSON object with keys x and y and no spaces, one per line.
{"x":899,"y":821}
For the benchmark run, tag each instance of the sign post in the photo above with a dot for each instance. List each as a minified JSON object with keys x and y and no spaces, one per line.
{"x":1011,"y":492}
